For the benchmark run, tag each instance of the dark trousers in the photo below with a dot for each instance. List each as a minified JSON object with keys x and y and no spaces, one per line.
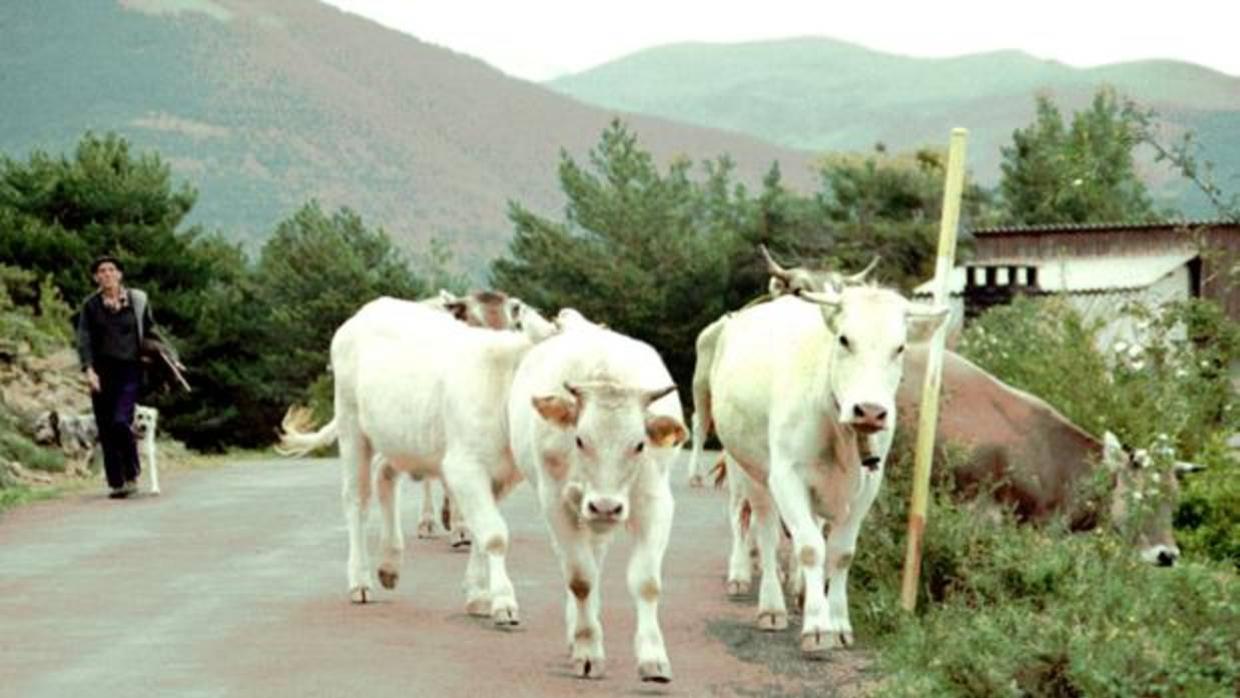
{"x":114,"y":405}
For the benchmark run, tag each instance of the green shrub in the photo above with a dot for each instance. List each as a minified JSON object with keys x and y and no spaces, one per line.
{"x":1007,"y":609}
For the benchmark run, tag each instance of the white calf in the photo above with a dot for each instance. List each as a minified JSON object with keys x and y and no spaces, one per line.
{"x":595,"y":422}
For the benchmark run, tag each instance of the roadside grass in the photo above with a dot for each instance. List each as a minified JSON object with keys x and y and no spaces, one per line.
{"x":1013,"y":610}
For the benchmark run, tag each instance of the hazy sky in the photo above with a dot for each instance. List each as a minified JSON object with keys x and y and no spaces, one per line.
{"x":542,"y":39}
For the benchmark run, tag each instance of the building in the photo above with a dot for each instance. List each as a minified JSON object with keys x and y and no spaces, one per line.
{"x":1098,"y":268}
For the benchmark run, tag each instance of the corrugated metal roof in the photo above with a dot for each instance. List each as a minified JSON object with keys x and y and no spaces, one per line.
{"x":1083,"y":274}
{"x":1100,"y":227}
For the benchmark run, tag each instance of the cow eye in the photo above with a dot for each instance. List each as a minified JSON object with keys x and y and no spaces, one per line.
{"x":641,"y":446}
{"x":899,"y":350}
{"x":581,"y":444}
{"x":844,"y":342}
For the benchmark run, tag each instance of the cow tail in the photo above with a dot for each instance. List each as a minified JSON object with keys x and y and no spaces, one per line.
{"x":296,"y":441}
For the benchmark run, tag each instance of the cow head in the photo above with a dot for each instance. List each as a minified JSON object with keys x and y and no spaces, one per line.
{"x":797,"y":280}
{"x":491,"y":309}
{"x":868,"y":329}
{"x":609,"y":433}
{"x":1142,"y":501}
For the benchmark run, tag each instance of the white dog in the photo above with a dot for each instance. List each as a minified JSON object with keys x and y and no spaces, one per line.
{"x":78,"y":435}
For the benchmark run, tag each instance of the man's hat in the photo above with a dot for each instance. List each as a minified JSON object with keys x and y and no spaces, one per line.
{"x":94,"y":266}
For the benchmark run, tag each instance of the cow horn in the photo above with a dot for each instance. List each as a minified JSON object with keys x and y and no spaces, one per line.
{"x":1182,"y":466}
{"x":650,"y":396}
{"x":772,"y":267}
{"x":859,"y":277}
{"x":928,"y":312}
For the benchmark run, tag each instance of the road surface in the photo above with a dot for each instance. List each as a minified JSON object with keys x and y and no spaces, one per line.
{"x":232,"y":583}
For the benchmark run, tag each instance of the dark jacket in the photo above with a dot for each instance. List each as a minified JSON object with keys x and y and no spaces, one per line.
{"x":153,"y":349}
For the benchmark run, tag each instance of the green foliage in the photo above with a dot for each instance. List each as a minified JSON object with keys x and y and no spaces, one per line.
{"x":1171,"y":379}
{"x":1006,"y":609}
{"x":32,"y":313}
{"x":1085,"y":173}
{"x":314,"y":273}
{"x":647,"y":253}
{"x":889,"y":205}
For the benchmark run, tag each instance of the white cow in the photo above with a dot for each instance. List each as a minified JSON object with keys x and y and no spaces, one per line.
{"x":498,"y":311}
{"x":793,"y":383}
{"x":783,"y":282}
{"x":429,"y":393}
{"x":595,"y":423}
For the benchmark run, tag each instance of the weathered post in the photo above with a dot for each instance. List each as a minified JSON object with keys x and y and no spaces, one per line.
{"x":929,"y":410}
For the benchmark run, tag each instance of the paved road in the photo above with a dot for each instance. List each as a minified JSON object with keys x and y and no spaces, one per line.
{"x":232,"y":584}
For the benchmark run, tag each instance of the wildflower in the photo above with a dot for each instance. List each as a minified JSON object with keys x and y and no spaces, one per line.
{"x":1134,"y":351}
{"x":1138,"y":365}
{"x":1120,"y":347}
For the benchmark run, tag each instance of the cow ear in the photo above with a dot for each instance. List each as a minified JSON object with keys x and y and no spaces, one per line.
{"x":457,"y":308}
{"x":557,"y":410}
{"x":776,"y":287}
{"x":1114,"y":457}
{"x":650,"y":396}
{"x":665,"y":431}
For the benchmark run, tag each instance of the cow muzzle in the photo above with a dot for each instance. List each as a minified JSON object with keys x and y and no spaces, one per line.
{"x":868,"y":418}
{"x":604,"y":511}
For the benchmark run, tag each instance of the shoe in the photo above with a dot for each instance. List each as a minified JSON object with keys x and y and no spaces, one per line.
{"x":117,"y":493}
{"x":131,"y":487}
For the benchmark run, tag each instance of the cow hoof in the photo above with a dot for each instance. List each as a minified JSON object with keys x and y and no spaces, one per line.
{"x":427,"y":529}
{"x":359,"y":595}
{"x":655,"y":671}
{"x":388,"y":577}
{"x":697,"y":481}
{"x":739,"y":587}
{"x":478,"y":606}
{"x":505,"y":617}
{"x":817,"y":643}
{"x":460,"y":538}
{"x":771,"y":621}
{"x":587,"y":668}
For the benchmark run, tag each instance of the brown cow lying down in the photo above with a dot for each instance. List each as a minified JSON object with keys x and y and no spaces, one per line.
{"x":1022,"y":451}
{"x":1028,"y":455}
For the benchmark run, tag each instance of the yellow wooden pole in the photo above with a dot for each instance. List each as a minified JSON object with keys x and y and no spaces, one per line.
{"x":929,"y":412}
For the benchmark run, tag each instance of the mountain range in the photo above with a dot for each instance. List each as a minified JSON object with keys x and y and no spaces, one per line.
{"x":824,"y":95}
{"x":264,"y":104}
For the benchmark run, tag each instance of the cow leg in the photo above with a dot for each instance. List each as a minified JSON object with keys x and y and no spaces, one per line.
{"x":791,"y":494}
{"x":458,"y":528}
{"x":697,"y":477}
{"x":471,"y":489}
{"x":765,"y":526}
{"x":841,"y":546}
{"x":391,"y":537}
{"x":355,"y":455}
{"x":580,"y":562}
{"x":581,"y":570}
{"x":428,"y":526}
{"x":740,"y":572}
{"x":645,"y":578}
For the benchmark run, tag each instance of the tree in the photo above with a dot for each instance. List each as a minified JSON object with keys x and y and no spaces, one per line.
{"x":645,"y":252}
{"x":887,"y":205}
{"x":315,"y":272}
{"x":1083,"y":174}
